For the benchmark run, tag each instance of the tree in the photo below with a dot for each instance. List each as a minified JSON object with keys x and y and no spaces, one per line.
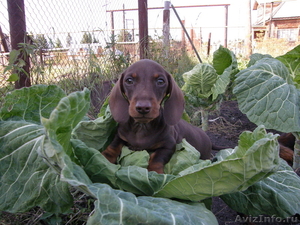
{"x":41,"y":42}
{"x":69,"y":40}
{"x":50,"y":43}
{"x":87,"y":38}
{"x":125,"y":36}
{"x":58,"y":43}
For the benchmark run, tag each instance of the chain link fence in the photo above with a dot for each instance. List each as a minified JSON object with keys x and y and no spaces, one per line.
{"x":76,"y":44}
{"x":70,"y":44}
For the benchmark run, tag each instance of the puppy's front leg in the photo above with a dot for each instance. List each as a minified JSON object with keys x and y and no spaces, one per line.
{"x":113,"y":151}
{"x":159,"y":159}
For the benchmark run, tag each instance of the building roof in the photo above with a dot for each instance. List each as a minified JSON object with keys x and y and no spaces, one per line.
{"x":288,"y":9}
{"x":284,"y":10}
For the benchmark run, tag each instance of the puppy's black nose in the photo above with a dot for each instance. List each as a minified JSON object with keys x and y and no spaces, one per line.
{"x":143,"y":107}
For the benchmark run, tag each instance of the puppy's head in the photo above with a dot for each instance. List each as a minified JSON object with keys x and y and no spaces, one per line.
{"x":140,"y":92}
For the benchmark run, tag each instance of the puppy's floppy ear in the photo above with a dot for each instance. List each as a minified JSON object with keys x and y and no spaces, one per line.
{"x":174,"y":105}
{"x":117,"y":102}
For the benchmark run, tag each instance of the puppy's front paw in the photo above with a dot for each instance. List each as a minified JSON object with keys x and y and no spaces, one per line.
{"x":110,"y":154}
{"x":157,"y":167}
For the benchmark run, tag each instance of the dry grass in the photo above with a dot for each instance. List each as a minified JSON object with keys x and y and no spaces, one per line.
{"x":273,"y":46}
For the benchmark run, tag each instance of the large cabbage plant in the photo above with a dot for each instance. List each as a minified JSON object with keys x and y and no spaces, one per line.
{"x":268,"y":93}
{"x":206,"y":84}
{"x":48,"y":147}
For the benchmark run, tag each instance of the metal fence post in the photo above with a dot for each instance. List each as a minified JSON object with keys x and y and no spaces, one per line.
{"x":226,"y":26}
{"x":166,"y":28}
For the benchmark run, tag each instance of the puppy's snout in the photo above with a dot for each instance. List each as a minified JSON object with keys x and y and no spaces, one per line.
{"x":143,"y":107}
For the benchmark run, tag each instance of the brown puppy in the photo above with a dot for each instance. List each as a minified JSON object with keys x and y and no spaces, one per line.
{"x":287,"y":143}
{"x":148,"y":105}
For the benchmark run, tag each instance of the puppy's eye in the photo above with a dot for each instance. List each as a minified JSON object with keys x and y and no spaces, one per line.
{"x":129,"y":80}
{"x":160,"y":81}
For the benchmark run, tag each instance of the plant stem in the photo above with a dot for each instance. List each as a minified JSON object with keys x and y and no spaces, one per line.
{"x":204,"y":119}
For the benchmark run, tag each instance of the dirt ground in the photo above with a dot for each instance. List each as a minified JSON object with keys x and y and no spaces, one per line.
{"x":224,"y":130}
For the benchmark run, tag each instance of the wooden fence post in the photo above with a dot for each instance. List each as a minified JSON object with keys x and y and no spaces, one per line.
{"x":143,"y":28}
{"x":17,"y":25}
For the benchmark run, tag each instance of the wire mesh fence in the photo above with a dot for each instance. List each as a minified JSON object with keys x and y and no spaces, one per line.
{"x":70,"y":44}
{"x":77,"y":44}
{"x":67,"y":37}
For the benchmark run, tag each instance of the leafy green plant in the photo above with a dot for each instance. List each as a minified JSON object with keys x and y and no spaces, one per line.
{"x":268,"y":93}
{"x":46,"y":147}
{"x":16,"y":61}
{"x":206,"y":84}
{"x":17,"y":64}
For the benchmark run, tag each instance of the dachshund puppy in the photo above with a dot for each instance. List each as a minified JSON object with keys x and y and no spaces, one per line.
{"x":287,"y":143}
{"x":148,"y":105}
